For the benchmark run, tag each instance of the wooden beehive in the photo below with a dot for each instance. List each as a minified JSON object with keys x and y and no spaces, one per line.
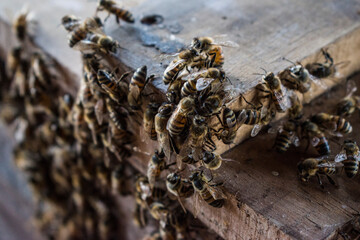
{"x":260,"y":205}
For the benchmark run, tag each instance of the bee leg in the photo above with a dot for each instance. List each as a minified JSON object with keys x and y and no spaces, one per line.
{"x":107,"y":17}
{"x":331,"y":180}
{"x":213,"y":56}
{"x":319,"y":180}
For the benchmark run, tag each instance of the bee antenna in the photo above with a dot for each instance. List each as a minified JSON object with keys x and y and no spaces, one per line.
{"x":264,"y":70}
{"x":284,"y":58}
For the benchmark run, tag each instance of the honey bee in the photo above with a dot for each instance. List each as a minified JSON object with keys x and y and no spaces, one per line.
{"x":296,"y":109}
{"x":19,"y":73}
{"x":156,"y":165}
{"x":200,"y":80}
{"x":350,"y":157}
{"x":136,"y":87}
{"x":160,"y":122}
{"x":212,"y":160}
{"x":186,"y":58}
{"x":21,"y":24}
{"x":97,"y":42}
{"x":116,"y":116}
{"x":149,"y":120}
{"x":178,"y":119}
{"x":179,"y":187}
{"x":173,"y":93}
{"x":296,"y":78}
{"x":322,"y":70}
{"x":335,"y":124}
{"x":212,"y":49}
{"x":316,"y":136}
{"x":349,"y":103}
{"x":271,"y":88}
{"x":114,"y":88}
{"x":158,"y":211}
{"x":112,"y":8}
{"x":211,"y":103}
{"x":315,"y":167}
{"x":79,"y":31}
{"x":13,"y":60}
{"x":209,"y":192}
{"x":40,"y":71}
{"x":286,"y":137}
{"x":230,"y":124}
{"x":257,"y":117}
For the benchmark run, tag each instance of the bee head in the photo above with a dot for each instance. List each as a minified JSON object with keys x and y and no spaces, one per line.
{"x":98,"y":21}
{"x":199,"y":120}
{"x":208,"y":157}
{"x":173,"y":178}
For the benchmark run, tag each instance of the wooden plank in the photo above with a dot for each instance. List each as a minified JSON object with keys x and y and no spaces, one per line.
{"x":274,"y":209}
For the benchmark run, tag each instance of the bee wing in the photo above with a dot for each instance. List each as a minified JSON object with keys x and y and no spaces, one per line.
{"x":256,"y":129}
{"x":99,"y":110}
{"x":295,"y":140}
{"x":228,"y":44}
{"x":203,"y":83}
{"x":216,"y":192}
{"x":174,"y":64}
{"x":326,"y":164}
{"x":341,"y":156}
{"x":194,"y":74}
{"x":241,"y":118}
{"x":86,"y":46}
{"x":92,"y":25}
{"x":350,"y":88}
{"x":282,"y":99}
{"x":71,"y":25}
{"x":318,"y":81}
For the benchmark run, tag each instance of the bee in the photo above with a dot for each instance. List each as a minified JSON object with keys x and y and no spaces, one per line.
{"x":179,"y":187}
{"x":80,"y":30}
{"x":210,"y":103}
{"x":112,"y":8}
{"x":213,"y":50}
{"x":317,"y":137}
{"x":271,"y":88}
{"x":322,"y":70}
{"x":156,"y":165}
{"x":136,"y":87}
{"x":296,"y":78}
{"x":230,"y":124}
{"x":114,"y":88}
{"x":90,"y":68}
{"x":333,"y":123}
{"x":21,"y":24}
{"x":149,"y":120}
{"x":257,"y":117}
{"x":209,"y":193}
{"x":20,"y":76}
{"x":286,"y":137}
{"x":350,"y":157}
{"x":159,"y":211}
{"x":139,"y":216}
{"x":14,"y":60}
{"x":212,"y":160}
{"x":160,"y":122}
{"x":349,"y":103}
{"x":40,"y":71}
{"x":98,"y":42}
{"x":116,"y":116}
{"x":78,"y":120}
{"x":295,"y":112}
{"x":315,"y":167}
{"x":200,"y":80}
{"x":173,"y":93}
{"x":178,"y":119}
{"x":186,"y":58}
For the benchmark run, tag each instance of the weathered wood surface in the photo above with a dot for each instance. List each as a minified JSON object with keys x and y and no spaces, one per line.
{"x":260,"y":205}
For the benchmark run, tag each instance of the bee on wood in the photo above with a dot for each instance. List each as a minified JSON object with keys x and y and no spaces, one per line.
{"x":112,"y":8}
{"x":178,"y":119}
{"x":350,"y":157}
{"x":116,"y":116}
{"x":213,"y":50}
{"x":179,"y":187}
{"x":210,"y":193}
{"x":286,"y":137}
{"x":315,"y":167}
{"x":322,"y":70}
{"x":78,"y":31}
{"x":22,"y":23}
{"x":212,"y":160}
{"x":350,"y":102}
{"x":156,"y":165}
{"x":115,"y":89}
{"x":186,"y":58}
{"x":335,"y":124}
{"x":295,"y":112}
{"x":272,"y":90}
{"x":149,"y":120}
{"x":316,"y":137}
{"x":98,"y":42}
{"x":160,"y":122}
{"x":211,"y":103}
{"x":136,"y":87}
{"x":173,"y":93}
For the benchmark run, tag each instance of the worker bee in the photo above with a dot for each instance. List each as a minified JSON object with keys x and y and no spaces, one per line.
{"x":173,"y":93}
{"x":271,"y":88}
{"x":211,"y":103}
{"x":230,"y":124}
{"x":186,"y":58}
{"x":178,"y":119}
{"x":116,"y":116}
{"x":21,"y":23}
{"x":257,"y":117}
{"x":149,"y":120}
{"x":286,"y":137}
{"x":160,"y":122}
{"x":112,"y":8}
{"x":210,"y":193}
{"x":316,"y":136}
{"x":315,"y":167}
{"x":335,"y":124}
{"x":322,"y":70}
{"x":181,"y":188}
{"x":97,"y":42}
{"x":79,"y":31}
{"x":350,"y":157}
{"x":114,"y":88}
{"x":349,"y":103}
{"x":40,"y":72}
{"x":136,"y":87}
{"x":212,"y":160}
{"x":212,"y":49}
{"x":295,"y":112}
{"x":156,"y":165}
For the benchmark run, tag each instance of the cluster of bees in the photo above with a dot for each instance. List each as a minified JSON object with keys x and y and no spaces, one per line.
{"x":74,"y":150}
